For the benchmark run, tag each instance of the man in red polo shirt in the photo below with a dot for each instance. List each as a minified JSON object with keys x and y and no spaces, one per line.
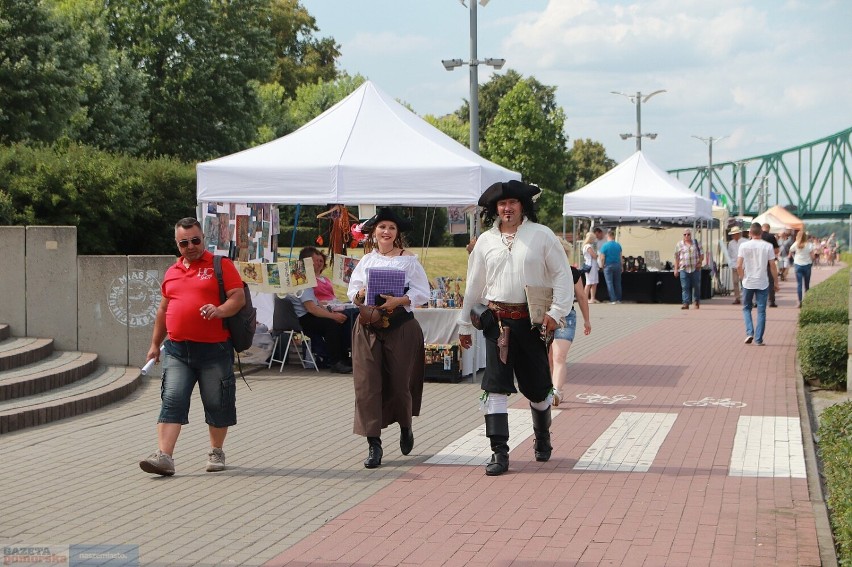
{"x":198,"y":348}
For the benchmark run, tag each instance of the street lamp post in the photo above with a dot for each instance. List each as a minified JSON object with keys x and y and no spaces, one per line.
{"x":638,"y":99}
{"x":709,"y":141}
{"x":450,"y":64}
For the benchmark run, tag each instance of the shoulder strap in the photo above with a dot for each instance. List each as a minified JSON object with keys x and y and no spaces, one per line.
{"x":217,"y":269}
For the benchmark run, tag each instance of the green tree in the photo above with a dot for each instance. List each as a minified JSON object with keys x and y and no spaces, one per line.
{"x":300,"y":58}
{"x":40,"y":67}
{"x":587,"y":161}
{"x":111,"y":114}
{"x":315,"y":98}
{"x":452,"y":126}
{"x":202,"y":60}
{"x":529,"y":139}
{"x":492,"y":92}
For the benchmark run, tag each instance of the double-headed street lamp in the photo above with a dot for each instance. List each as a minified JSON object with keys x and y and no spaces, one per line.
{"x":638,"y":99}
{"x":450,"y":64}
{"x":709,"y":141}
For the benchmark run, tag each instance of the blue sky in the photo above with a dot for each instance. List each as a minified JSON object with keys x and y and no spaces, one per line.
{"x":764,"y":74}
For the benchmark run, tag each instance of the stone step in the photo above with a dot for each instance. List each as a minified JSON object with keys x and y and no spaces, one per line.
{"x":105,"y":385}
{"x":15,"y":351}
{"x":5,"y":333}
{"x":56,"y":370}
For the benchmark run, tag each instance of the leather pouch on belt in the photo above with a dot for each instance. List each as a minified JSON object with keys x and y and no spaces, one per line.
{"x":503,"y":344}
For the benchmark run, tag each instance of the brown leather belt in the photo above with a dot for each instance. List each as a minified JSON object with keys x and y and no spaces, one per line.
{"x":509,"y":310}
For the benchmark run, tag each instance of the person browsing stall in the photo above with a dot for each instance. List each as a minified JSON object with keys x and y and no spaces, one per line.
{"x":515,"y":252}
{"x":687,"y":268}
{"x":388,"y":354}
{"x":198,"y":348}
{"x":611,"y":260}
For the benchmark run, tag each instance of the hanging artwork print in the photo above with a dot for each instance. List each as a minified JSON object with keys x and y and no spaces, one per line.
{"x":342,"y":269}
{"x":250,"y":230}
{"x":456,"y":220}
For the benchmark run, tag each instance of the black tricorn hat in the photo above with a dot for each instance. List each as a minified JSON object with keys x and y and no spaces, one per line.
{"x":509,"y":190}
{"x":386,"y":214}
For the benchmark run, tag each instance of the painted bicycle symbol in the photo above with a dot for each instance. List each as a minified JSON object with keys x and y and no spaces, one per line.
{"x":720,"y":402}
{"x":600,"y":399}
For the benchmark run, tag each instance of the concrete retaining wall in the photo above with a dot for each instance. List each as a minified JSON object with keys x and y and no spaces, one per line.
{"x":13,"y":308}
{"x":100,"y":304}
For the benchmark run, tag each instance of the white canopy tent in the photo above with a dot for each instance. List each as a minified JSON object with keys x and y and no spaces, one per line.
{"x":367,"y":148}
{"x":638,"y":192}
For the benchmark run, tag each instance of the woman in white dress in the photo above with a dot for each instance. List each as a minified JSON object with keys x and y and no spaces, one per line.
{"x":590,"y":266}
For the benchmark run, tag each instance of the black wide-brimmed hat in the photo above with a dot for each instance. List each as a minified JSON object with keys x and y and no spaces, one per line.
{"x":509,"y":190}
{"x":386,"y":214}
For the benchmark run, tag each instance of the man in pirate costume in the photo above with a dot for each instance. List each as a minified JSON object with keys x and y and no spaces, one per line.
{"x":516,"y":252}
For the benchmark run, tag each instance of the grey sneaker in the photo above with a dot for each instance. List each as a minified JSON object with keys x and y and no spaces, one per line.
{"x":215,"y":460}
{"x":158,"y":463}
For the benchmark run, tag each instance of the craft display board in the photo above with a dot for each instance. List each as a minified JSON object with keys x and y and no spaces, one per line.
{"x":283,"y":277}
{"x":250,"y":230}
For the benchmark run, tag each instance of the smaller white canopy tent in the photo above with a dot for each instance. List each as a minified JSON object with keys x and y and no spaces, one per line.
{"x":775,"y":224}
{"x":637,"y":191}
{"x":367,"y":148}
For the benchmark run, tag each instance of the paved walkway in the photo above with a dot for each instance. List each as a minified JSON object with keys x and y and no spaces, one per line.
{"x":678,"y":445}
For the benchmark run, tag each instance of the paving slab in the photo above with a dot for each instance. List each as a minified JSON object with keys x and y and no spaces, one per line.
{"x":665,"y":490}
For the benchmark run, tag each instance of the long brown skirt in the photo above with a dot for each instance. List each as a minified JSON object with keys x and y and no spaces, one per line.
{"x":388,"y":369}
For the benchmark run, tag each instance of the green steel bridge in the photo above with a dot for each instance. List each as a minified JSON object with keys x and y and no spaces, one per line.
{"x":813,"y":180}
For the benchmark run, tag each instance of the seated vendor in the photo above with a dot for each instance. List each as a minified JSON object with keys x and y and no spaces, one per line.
{"x":334,"y":327}
{"x":324,"y":290}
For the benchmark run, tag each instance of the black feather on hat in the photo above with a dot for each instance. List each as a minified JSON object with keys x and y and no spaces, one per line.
{"x":386,"y":214}
{"x":509,"y":190}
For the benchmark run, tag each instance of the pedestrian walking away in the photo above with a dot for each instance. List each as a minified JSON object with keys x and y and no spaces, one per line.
{"x":564,"y":337}
{"x":687,"y":268}
{"x":388,"y":355}
{"x":514,"y":253}
{"x":197,"y":348}
{"x":802,"y":253}
{"x":755,"y":264}
{"x":770,"y":238}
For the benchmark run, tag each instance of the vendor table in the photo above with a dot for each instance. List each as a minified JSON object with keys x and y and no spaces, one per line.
{"x":440,"y":326}
{"x":652,"y":287}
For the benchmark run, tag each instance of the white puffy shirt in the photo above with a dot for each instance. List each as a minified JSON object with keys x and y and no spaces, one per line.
{"x":494,"y":273}
{"x":415,"y":276}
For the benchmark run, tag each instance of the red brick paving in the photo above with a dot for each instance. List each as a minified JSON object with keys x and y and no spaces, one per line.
{"x":685,"y":511}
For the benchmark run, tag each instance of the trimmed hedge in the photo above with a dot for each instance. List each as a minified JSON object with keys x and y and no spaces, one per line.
{"x":823,"y":352}
{"x":828,"y":302}
{"x":823,"y":338}
{"x":835,"y":450}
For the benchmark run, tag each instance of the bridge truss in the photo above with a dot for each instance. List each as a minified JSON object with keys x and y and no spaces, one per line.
{"x":814,"y":178}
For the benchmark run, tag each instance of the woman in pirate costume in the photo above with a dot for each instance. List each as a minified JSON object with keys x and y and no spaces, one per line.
{"x":388,"y":358}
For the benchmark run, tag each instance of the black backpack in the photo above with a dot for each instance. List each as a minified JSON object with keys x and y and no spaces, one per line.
{"x":242,"y":324}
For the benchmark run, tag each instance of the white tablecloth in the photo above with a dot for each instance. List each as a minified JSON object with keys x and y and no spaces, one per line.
{"x":440,"y":326}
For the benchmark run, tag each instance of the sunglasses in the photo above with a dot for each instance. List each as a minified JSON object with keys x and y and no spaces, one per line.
{"x":184,"y":243}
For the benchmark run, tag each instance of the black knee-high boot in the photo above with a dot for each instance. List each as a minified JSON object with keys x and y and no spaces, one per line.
{"x":541,"y":427}
{"x":374,"y":457}
{"x":497,"y":431}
